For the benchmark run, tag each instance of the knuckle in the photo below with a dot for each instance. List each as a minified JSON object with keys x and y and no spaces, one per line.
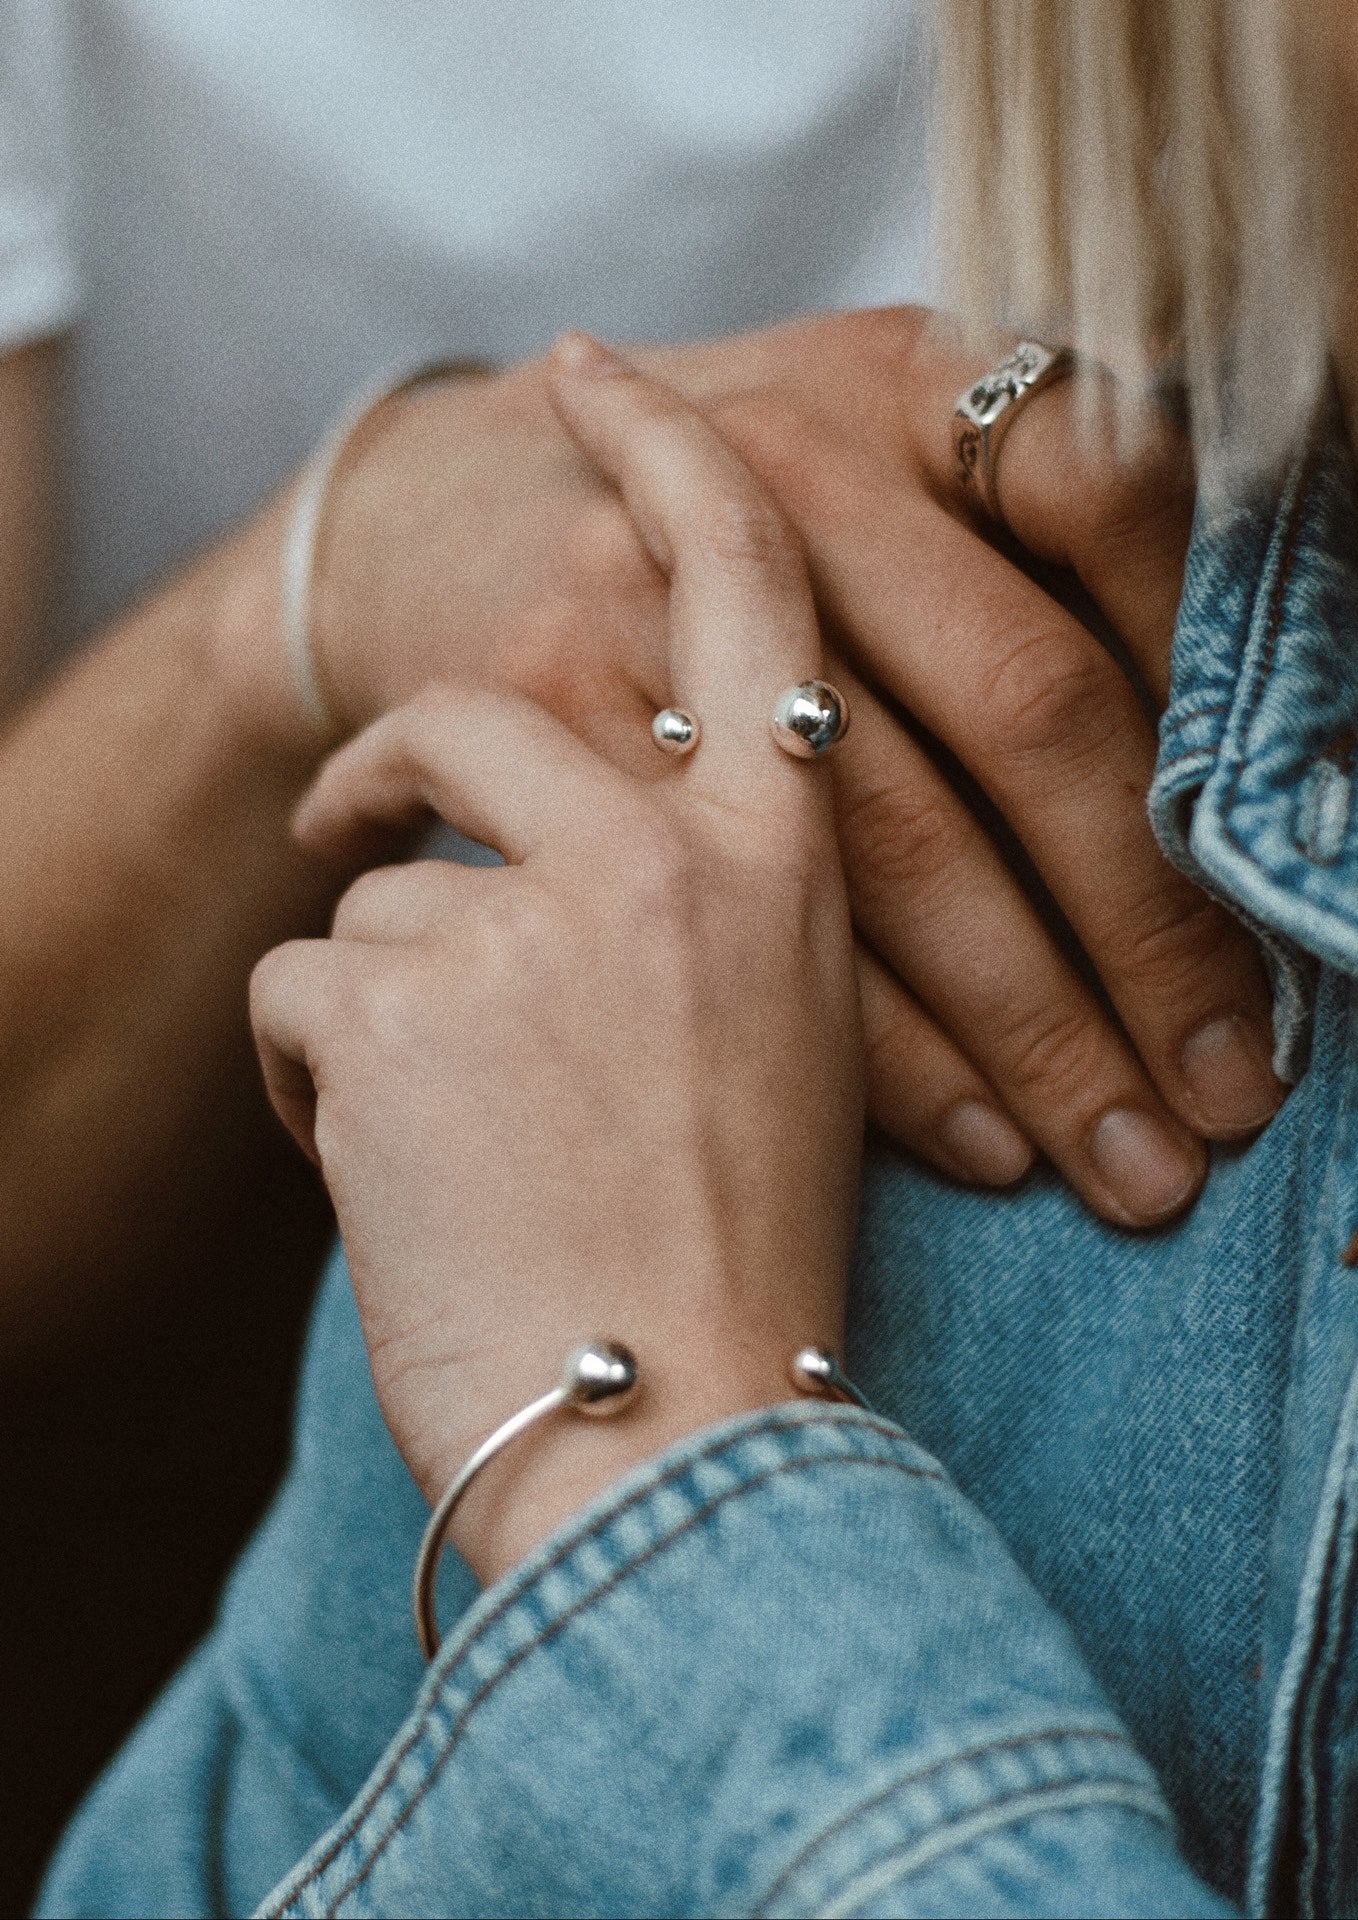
{"x":888,"y":1053}
{"x":1052,"y":694}
{"x":746,"y":530}
{"x":606,"y":550}
{"x":540,"y":658}
{"x":1170,"y":938}
{"x":417,"y":732}
{"x":392,"y":1005}
{"x":1116,"y":500}
{"x":363,"y":902}
{"x":263,"y":982}
{"x":1144,"y":494}
{"x":660,"y":874}
{"x":391,"y":896}
{"x":650,"y":875}
{"x":264,"y":974}
{"x":425,"y":714}
{"x":1053,"y":1051}
{"x":443,"y":709}
{"x":511,"y":945}
{"x":901,"y":837}
{"x":498,"y":930}
{"x":273,"y":972}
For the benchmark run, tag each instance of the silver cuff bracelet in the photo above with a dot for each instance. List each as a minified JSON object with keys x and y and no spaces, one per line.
{"x":597,"y":1379}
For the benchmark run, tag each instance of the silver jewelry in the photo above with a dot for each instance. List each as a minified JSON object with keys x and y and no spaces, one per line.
{"x":813,"y":1370}
{"x":810,"y":719}
{"x":598,"y":1379}
{"x":304,"y":524}
{"x":984,"y":413}
{"x":674,"y":730}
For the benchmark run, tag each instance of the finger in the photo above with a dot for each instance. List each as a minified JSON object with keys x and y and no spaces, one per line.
{"x":415,"y":902}
{"x":288,"y":990}
{"x":491,"y":764}
{"x":1128,"y":536}
{"x":925,"y":1093}
{"x":742,"y":621}
{"x":1086,"y":477}
{"x":1055,"y":733}
{"x":927,"y":886}
{"x":1047,"y":724}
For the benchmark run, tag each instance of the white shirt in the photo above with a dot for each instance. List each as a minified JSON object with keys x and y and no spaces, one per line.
{"x":249,"y":208}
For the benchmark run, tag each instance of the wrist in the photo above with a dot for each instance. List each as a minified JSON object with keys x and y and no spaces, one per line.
{"x":356,"y":608}
{"x":373,"y":619}
{"x":566,"y":1459}
{"x":247,"y":647}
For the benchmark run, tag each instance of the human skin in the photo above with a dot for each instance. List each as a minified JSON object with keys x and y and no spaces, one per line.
{"x":28,"y":390}
{"x":610,"y":1088}
{"x":146,"y":862}
{"x":846,"y":419}
{"x":616,"y":1085}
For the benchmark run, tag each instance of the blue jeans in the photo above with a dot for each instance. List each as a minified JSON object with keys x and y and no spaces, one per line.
{"x":1066,"y":1631}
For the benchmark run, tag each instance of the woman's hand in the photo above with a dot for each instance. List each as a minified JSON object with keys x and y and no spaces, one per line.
{"x":469,"y":539}
{"x":613,"y":1088}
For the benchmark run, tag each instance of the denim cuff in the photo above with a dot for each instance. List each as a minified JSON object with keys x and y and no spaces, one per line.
{"x":785,"y":1668}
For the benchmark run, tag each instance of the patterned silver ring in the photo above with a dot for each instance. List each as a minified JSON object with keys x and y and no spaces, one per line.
{"x":984,"y":413}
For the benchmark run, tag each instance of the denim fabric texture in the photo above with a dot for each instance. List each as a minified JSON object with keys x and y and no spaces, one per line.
{"x":1066,"y":1630}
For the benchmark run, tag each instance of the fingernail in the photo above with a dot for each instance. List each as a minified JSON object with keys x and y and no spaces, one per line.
{"x":1229,"y":1069}
{"x":1151,"y":1172}
{"x":985,"y":1144}
{"x":581,"y":353}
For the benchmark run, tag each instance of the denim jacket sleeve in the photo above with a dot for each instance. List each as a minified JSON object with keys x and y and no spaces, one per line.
{"x":786,"y":1669}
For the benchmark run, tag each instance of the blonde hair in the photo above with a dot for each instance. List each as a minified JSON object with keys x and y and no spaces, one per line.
{"x":1149,"y":180}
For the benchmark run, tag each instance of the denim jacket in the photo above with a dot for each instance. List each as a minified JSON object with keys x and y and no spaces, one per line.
{"x":1067,"y":1629}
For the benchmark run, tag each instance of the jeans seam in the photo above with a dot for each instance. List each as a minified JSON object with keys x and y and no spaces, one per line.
{"x":547,"y":1633}
{"x":1212,"y":711}
{"x":775,"y":1424}
{"x":1071,"y":1795}
{"x":1316,"y":1709}
{"x":1335,"y":1636}
{"x":1285,"y":1802}
{"x":1327,"y":1633}
{"x":1279,"y":1797}
{"x":844,"y":1822}
{"x":1296,"y":515}
{"x":1184,"y":761}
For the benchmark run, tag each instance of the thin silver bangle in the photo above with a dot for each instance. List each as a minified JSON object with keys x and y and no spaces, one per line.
{"x":599,"y":1378}
{"x":815,"y":1370}
{"x":304,"y":524}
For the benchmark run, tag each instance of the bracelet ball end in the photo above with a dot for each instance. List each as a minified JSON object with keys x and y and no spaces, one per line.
{"x":600,"y":1377}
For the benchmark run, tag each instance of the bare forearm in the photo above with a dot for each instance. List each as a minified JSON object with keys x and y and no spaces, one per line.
{"x":145,"y":864}
{"x":28,"y":516}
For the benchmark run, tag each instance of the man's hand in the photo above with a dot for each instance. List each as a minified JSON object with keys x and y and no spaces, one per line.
{"x":469,"y":535}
